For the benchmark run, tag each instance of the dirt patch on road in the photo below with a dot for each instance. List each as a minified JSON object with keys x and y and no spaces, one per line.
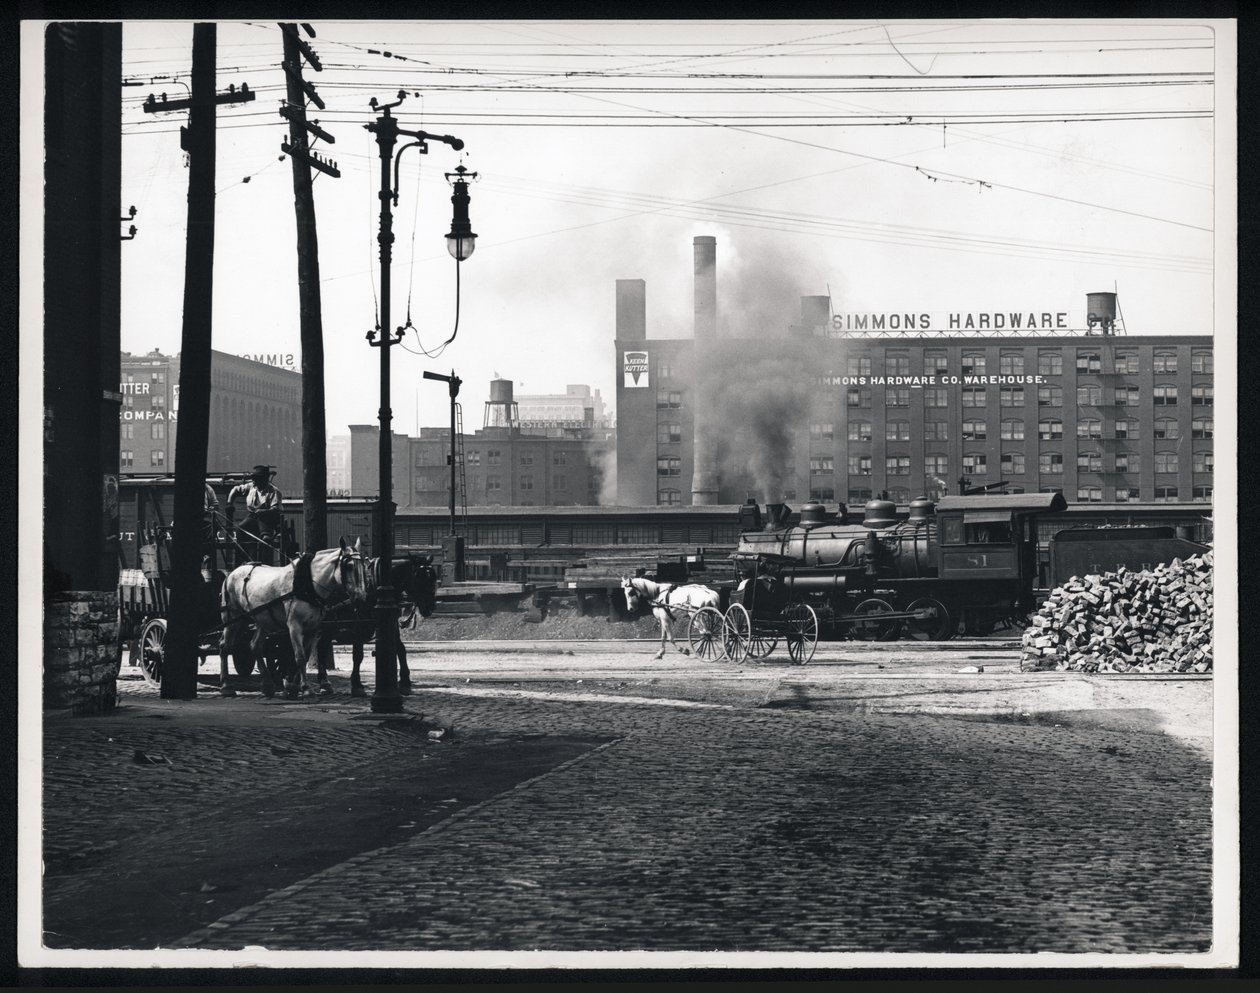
{"x":525,"y":625}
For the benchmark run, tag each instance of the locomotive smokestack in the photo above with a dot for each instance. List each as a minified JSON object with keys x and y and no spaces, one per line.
{"x":704,"y":248}
{"x":704,"y":473}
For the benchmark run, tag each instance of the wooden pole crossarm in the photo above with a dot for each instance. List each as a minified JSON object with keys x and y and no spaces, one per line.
{"x":233,"y":95}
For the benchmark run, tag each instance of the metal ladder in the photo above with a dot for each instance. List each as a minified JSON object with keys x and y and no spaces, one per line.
{"x":460,"y":471}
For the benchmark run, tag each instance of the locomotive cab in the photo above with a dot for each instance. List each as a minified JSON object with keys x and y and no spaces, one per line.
{"x":993,"y":537}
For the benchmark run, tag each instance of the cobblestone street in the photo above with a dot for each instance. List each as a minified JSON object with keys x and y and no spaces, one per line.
{"x":595,"y":822}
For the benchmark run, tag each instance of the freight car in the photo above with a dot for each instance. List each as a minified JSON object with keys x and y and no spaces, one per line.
{"x":1086,"y":551}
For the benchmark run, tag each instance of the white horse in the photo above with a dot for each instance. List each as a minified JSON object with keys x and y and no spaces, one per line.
{"x":667,"y":602}
{"x":278,"y":599}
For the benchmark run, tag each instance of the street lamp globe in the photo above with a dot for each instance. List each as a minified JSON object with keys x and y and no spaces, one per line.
{"x":461,"y":240}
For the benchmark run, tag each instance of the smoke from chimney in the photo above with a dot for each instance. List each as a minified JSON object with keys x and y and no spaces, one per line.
{"x":754,"y":396}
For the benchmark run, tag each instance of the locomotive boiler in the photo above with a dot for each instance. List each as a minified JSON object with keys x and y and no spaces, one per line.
{"x":965,"y":561}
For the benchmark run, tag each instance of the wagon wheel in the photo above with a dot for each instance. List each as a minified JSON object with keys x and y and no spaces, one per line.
{"x":939,"y":626}
{"x":866,"y":623}
{"x":704,"y":633}
{"x":151,"y":650}
{"x":736,"y":633}
{"x":802,"y":632}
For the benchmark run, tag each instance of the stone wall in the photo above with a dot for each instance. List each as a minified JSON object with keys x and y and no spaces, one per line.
{"x":81,"y":651}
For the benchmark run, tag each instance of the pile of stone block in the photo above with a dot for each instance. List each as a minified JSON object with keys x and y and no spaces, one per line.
{"x":1157,"y":620}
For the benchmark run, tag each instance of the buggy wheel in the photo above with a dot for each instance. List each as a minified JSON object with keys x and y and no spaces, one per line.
{"x":802,"y":632}
{"x":761,"y":645}
{"x":736,"y":633}
{"x":151,"y":650}
{"x":937,"y":626}
{"x":867,"y":625}
{"x":704,"y":633}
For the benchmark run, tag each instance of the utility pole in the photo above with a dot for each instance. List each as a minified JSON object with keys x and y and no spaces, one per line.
{"x":179,"y":669}
{"x":385,"y":696}
{"x":314,"y":428}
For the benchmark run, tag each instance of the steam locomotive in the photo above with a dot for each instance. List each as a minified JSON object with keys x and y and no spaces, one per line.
{"x":968,"y":562}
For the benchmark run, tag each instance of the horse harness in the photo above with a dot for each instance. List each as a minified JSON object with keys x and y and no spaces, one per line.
{"x":662,"y":600}
{"x":304,"y":585}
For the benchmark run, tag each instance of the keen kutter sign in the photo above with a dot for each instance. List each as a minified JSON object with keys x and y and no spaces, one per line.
{"x":635,"y":369}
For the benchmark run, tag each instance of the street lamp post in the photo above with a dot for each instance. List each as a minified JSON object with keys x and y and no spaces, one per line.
{"x":385,"y":696}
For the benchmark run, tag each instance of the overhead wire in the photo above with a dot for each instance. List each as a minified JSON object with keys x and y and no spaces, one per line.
{"x":833,"y":227}
{"x":991,"y":184}
{"x":694,"y":120}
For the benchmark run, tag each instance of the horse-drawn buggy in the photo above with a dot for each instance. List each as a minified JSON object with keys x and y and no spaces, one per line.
{"x":764,"y":611}
{"x":774,"y":600}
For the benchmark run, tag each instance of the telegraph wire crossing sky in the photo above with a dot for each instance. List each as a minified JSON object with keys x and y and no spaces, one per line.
{"x":899,"y":166}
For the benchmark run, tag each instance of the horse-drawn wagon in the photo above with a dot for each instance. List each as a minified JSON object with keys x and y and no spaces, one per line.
{"x":144,"y":580}
{"x":257,"y":613}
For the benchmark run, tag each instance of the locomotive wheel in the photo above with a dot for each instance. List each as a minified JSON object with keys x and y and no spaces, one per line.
{"x":704,"y":633}
{"x":151,"y":650}
{"x":802,"y":632}
{"x":736,"y":633}
{"x":866,"y":623}
{"x":937,"y":627}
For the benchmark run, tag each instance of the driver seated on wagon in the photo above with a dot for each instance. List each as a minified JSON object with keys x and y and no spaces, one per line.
{"x":260,"y":531}
{"x":758,"y":586}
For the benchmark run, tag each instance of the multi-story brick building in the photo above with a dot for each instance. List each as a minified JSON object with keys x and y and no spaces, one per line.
{"x":548,"y":461}
{"x":255,"y":416}
{"x":819,"y":409}
{"x":551,"y":461}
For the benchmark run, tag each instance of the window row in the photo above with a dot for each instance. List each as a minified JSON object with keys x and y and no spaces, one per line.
{"x":1084,"y":494}
{"x":1014,"y":463}
{"x":1164,"y":395}
{"x":1011,"y":429}
{"x":1049,"y":363}
{"x":1131,"y":494}
{"x":127,"y":459}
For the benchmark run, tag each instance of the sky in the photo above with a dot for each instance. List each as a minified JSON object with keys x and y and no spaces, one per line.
{"x":908,"y":166}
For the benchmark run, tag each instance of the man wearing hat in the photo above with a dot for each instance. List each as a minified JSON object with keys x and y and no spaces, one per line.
{"x":263,"y":517}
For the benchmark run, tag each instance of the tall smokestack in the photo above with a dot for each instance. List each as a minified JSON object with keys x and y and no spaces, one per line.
{"x":631,"y":310}
{"x":704,"y":472}
{"x":704,"y":248}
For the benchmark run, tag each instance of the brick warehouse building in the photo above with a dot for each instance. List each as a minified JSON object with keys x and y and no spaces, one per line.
{"x":822,"y":409}
{"x":255,"y":415}
{"x":560,"y":456}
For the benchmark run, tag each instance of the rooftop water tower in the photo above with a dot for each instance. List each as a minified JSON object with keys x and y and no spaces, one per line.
{"x":1100,"y":311}
{"x":501,"y":409}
